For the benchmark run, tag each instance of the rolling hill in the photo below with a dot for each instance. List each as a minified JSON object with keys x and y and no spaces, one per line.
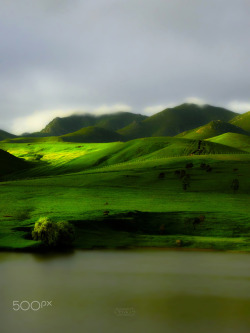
{"x":67,"y":157}
{"x":173,"y":121}
{"x":234,"y":140}
{"x":242,"y":120}
{"x":92,"y":134}
{"x":113,"y":122}
{"x":10,"y":163}
{"x":214,"y":128}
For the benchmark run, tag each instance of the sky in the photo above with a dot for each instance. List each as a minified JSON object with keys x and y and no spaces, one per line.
{"x":60,"y":56}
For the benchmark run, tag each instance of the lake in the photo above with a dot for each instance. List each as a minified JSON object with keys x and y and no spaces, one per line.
{"x":125,"y":291}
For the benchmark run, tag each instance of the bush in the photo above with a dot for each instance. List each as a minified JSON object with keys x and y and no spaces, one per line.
{"x":53,"y":234}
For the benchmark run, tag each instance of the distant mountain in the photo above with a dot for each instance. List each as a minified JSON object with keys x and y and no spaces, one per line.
{"x":113,"y":122}
{"x":173,"y":121}
{"x":92,"y":134}
{"x":5,"y":135}
{"x":33,"y":135}
{"x":214,"y":128}
{"x":242,"y":120}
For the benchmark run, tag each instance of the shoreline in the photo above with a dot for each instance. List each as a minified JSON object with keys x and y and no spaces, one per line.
{"x":43,"y":251}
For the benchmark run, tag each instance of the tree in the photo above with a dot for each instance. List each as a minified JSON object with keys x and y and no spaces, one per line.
{"x":53,"y":234}
{"x":235,"y":185}
{"x":66,"y":233}
{"x":185,"y":182}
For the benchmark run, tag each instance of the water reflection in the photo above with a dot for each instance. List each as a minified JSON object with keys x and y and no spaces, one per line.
{"x":127,"y":291}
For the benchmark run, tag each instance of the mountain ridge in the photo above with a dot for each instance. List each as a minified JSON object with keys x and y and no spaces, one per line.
{"x":173,"y":121}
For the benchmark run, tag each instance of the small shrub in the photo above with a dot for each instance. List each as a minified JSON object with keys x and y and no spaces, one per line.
{"x":178,"y":242}
{"x":208,"y":168}
{"x":189,"y":165}
{"x":235,"y":185}
{"x":161,"y":175}
{"x":53,"y":234}
{"x":185,"y":182}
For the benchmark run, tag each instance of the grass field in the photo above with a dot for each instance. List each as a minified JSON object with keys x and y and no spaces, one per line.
{"x":78,"y":182}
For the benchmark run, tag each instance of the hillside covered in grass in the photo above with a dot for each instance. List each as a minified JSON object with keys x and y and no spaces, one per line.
{"x":234,"y":140}
{"x":242,"y":120}
{"x":143,"y":200}
{"x":214,"y":128}
{"x":58,"y":157}
{"x":10,"y":163}
{"x":92,"y":134}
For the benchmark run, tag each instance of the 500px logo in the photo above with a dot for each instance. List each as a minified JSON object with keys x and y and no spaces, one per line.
{"x":34,"y":305}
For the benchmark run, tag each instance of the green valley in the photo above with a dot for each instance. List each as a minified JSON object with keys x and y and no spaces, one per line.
{"x":117,"y":193}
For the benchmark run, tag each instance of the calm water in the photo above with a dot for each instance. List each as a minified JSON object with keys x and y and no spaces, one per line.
{"x":126,"y":291}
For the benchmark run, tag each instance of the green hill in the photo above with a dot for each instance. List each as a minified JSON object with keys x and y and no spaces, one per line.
{"x":92,"y":134}
{"x":89,"y":134}
{"x":242,"y":120}
{"x":52,"y":158}
{"x":5,"y":135}
{"x":173,"y":121}
{"x":65,"y":125}
{"x":234,"y":140}
{"x":214,"y":128}
{"x":10,"y":163}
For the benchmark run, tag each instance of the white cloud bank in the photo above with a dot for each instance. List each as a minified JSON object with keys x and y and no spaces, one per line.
{"x":238,"y":106}
{"x":39,"y":119}
{"x":150,"y":110}
{"x":195,"y":100}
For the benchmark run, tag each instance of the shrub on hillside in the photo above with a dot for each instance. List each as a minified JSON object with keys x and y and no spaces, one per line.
{"x":53,"y":234}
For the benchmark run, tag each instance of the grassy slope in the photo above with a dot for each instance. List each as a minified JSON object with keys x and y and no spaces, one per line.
{"x":92,"y":134}
{"x":214,"y":128}
{"x":238,"y":141}
{"x":126,"y":176}
{"x":51,"y":158}
{"x":242,"y":120}
{"x":10,"y":163}
{"x":135,"y":186}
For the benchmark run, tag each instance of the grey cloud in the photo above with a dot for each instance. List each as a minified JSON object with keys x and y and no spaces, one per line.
{"x":59,"y":54}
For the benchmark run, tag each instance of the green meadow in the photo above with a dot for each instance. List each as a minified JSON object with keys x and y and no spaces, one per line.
{"x":128,"y":194}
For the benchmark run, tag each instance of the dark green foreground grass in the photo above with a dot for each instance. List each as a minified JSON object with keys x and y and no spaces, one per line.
{"x":78,"y":182}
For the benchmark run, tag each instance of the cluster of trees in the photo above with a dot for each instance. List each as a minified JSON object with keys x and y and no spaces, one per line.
{"x":185,"y":177}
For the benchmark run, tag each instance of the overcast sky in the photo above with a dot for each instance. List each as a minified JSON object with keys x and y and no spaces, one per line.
{"x":101,"y":55}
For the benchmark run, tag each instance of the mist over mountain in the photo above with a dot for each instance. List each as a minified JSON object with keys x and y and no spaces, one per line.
{"x":185,"y":120}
